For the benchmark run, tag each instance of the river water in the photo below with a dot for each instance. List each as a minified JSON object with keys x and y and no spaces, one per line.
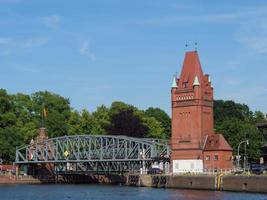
{"x":109,"y":192}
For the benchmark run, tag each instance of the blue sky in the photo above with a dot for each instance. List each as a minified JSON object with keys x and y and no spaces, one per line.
{"x":96,"y":52}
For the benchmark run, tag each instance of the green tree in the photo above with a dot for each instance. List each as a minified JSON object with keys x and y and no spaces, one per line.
{"x":259,"y":117}
{"x":163,"y":118}
{"x":125,"y":120}
{"x":100,"y":121}
{"x":155,"y":129}
{"x":238,"y":123}
{"x":86,"y":122}
{"x":58,"y":109}
{"x":74,"y":123}
{"x":224,"y":110}
{"x":235,"y":131}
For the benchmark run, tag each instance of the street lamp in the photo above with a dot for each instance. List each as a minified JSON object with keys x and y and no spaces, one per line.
{"x":238,"y":156}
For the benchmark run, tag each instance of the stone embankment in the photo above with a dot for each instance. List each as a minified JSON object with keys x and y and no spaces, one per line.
{"x":202,"y":182}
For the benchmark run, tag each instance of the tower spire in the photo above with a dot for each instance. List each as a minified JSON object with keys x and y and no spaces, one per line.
{"x":191,"y":68}
{"x":174,"y":84}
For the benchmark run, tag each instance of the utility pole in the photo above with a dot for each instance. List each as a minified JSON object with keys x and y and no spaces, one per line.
{"x":238,"y":156}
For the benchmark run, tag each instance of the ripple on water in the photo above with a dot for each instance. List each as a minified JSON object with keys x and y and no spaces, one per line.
{"x":108,"y":192}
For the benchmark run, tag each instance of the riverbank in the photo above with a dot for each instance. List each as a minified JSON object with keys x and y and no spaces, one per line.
{"x":236,"y":183}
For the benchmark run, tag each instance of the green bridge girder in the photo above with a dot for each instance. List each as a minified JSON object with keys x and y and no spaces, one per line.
{"x":89,"y":153}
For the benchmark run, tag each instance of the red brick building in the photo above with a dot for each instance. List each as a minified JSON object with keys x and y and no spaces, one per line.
{"x":195,"y":146}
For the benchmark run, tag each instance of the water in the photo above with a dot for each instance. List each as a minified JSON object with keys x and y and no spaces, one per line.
{"x":108,"y":192}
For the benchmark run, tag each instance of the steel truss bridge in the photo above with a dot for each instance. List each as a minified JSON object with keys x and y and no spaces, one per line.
{"x":95,"y":153}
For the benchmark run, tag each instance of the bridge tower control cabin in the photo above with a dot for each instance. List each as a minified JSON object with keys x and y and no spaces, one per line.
{"x":195,"y":147}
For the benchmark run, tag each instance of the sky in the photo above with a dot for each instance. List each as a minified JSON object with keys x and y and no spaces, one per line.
{"x":95,"y":52}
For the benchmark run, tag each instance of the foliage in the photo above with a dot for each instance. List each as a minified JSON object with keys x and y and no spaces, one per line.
{"x":100,"y":121}
{"x":238,"y":123}
{"x":58,"y":109}
{"x":21,"y":115}
{"x":126,"y":120}
{"x":163,"y":118}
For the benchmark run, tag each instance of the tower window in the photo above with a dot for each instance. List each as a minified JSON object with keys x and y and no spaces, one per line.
{"x":207,"y":157}
{"x":185,"y":84}
{"x":216,"y":157}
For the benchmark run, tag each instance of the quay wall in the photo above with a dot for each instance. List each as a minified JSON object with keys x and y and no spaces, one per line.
{"x":234,"y":183}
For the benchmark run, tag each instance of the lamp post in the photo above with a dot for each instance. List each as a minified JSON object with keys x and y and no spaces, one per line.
{"x":238,"y":156}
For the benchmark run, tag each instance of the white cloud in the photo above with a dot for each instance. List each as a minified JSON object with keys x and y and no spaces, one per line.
{"x":85,"y":50}
{"x":52,"y":21}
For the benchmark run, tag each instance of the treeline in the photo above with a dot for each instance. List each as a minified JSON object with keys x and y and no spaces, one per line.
{"x":21,"y":116}
{"x":238,"y":123}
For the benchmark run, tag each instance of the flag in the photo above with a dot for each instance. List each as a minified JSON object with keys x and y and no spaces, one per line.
{"x":45,"y":113}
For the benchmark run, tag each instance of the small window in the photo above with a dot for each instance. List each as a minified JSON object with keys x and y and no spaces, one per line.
{"x":185,"y":84}
{"x":207,"y":157}
{"x":216,"y":157}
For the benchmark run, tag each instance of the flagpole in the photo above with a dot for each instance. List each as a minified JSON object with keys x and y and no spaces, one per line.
{"x":42,"y":118}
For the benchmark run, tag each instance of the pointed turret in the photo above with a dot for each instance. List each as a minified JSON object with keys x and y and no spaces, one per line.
{"x":191,"y":69}
{"x":196,"y":82}
{"x":174,"y":84}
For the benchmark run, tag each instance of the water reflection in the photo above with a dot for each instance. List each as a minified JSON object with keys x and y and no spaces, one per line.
{"x":105,"y":192}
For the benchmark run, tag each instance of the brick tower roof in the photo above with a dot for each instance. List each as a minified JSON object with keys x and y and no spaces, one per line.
{"x":191,"y":69}
{"x":217,"y":142}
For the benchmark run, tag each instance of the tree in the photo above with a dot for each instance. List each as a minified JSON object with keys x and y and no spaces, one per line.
{"x":155,"y":129}
{"x":224,"y":110}
{"x":235,"y":131}
{"x":238,"y":123}
{"x":125,"y":120}
{"x":9,"y":139}
{"x":58,"y":109}
{"x":100,"y":121}
{"x":163,"y":118}
{"x":74,"y":123}
{"x":259,"y":117}
{"x":86,"y":122}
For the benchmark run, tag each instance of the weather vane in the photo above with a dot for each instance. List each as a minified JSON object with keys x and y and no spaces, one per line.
{"x":195,"y":46}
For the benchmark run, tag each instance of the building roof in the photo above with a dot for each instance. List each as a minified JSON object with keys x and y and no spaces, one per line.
{"x":217,"y":142}
{"x":191,"y":69}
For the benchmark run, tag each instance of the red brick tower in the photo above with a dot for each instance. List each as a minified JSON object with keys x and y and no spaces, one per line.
{"x":192,"y":115}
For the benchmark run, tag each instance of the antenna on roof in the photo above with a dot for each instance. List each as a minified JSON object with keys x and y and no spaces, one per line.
{"x":195,"y":46}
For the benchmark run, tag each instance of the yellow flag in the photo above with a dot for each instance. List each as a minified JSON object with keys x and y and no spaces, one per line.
{"x":45,"y":113}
